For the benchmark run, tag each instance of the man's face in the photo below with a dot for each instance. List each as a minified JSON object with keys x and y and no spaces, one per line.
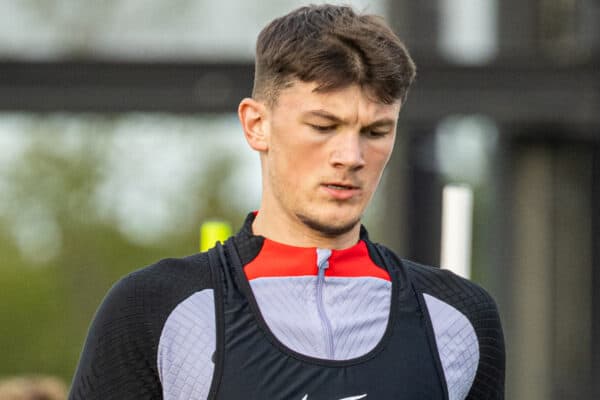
{"x":325,"y":155}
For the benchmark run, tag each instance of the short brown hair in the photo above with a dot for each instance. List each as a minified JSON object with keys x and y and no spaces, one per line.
{"x":334,"y":47}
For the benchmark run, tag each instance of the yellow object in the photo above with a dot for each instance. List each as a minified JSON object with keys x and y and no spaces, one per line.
{"x":212,"y":232}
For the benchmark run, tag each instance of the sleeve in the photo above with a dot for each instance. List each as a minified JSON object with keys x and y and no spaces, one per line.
{"x":489,"y":380}
{"x":118,"y":358}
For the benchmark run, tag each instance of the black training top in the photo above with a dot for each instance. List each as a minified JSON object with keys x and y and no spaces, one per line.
{"x":258,"y":319}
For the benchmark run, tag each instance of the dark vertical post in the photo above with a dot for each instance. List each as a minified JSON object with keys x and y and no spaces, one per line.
{"x":596,"y":270}
{"x":517,"y":29}
{"x":573,"y":270}
{"x":425,"y":197}
{"x":417,"y":23}
{"x":393,"y":218}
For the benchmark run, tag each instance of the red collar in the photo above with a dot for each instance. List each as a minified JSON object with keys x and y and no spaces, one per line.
{"x":281,"y":260}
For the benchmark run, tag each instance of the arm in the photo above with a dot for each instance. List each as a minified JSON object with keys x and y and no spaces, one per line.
{"x":118,"y":360}
{"x":489,"y":380}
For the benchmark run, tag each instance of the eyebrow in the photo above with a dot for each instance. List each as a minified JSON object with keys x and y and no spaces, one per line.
{"x":384,"y":122}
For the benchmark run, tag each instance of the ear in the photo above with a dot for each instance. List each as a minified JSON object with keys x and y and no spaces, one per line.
{"x":252,"y":116}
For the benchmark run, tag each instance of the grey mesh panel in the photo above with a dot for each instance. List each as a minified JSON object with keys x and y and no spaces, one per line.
{"x":185,"y":349}
{"x":289,"y":308}
{"x":358,"y":309}
{"x":457,"y":346}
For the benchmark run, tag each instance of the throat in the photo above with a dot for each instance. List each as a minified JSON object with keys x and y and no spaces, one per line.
{"x":302,"y":230}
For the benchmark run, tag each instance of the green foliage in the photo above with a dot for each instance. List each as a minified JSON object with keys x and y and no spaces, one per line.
{"x":51,"y":291}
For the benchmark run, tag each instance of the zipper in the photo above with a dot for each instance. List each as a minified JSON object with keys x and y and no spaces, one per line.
{"x":322,"y":264}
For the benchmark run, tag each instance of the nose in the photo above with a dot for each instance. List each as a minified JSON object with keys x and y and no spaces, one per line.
{"x":347,"y":151}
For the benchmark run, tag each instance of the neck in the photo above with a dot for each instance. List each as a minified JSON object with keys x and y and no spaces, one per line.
{"x":292,"y":231}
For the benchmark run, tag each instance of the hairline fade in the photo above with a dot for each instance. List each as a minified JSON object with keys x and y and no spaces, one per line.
{"x":334,"y":47}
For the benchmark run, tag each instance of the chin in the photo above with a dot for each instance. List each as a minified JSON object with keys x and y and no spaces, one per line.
{"x":329,"y":227}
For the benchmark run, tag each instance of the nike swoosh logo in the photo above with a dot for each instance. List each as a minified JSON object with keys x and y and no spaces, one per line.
{"x":361,"y":396}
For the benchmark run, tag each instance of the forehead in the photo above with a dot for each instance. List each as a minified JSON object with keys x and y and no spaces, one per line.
{"x":347,"y":102}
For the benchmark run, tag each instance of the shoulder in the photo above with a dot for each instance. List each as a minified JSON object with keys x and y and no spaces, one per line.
{"x":149,"y":294}
{"x":182,"y":274}
{"x":441,"y":283}
{"x":469,"y":298}
{"x":446,"y":286}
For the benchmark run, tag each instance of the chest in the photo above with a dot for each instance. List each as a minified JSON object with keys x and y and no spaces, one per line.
{"x":395,"y":361}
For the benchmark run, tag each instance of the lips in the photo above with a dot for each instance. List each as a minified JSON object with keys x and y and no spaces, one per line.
{"x":340,"y":186}
{"x":341,"y":190}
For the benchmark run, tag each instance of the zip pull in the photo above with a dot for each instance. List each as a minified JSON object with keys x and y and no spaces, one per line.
{"x":323,"y":261}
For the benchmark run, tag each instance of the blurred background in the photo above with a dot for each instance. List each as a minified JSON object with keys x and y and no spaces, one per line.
{"x":119,"y":137}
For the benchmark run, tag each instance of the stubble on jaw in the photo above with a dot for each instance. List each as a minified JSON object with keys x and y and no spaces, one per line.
{"x":327,"y":230}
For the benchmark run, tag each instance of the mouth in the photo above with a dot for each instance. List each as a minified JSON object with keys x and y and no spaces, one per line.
{"x":338,"y":186}
{"x":341,"y":190}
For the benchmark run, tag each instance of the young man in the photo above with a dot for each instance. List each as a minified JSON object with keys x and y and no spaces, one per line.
{"x":300,"y":304}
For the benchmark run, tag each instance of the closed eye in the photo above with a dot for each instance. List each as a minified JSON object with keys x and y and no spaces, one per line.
{"x":375,"y":133}
{"x":323,"y":128}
